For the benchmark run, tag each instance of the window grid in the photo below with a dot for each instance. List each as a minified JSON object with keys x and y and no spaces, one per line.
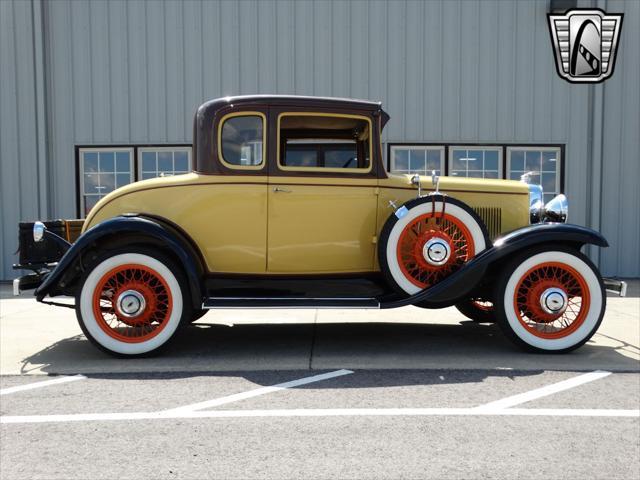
{"x":102,"y":170}
{"x":156,"y":162}
{"x":545,"y":161}
{"x":542,"y":163}
{"x":490,"y":159}
{"x":420,"y":159}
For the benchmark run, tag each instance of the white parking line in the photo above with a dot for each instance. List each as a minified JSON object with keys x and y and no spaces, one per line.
{"x":544,"y":391}
{"x":45,"y":383}
{"x":259,"y":391}
{"x":320,"y":412}
{"x":497,"y":408}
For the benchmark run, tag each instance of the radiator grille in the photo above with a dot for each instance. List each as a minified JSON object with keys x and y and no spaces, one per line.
{"x":492,"y":218}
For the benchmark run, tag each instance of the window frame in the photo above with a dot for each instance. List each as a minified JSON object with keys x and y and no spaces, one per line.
{"x":357,"y":171}
{"x":561,"y":147}
{"x":243,"y":113}
{"x":540,"y":148}
{"x":79,"y":167}
{"x":426,"y":147}
{"x":162,"y":148}
{"x":80,"y":180}
{"x":494,"y":148}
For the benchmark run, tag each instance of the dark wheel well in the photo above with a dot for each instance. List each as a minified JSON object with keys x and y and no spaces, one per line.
{"x":70,"y":281}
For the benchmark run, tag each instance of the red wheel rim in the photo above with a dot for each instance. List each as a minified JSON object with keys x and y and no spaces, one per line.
{"x":527,"y":300}
{"x":482,"y":305}
{"x":146,"y":282}
{"x":415,"y":234}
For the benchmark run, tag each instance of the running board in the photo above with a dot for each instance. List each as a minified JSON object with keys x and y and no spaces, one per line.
{"x":298,"y":302}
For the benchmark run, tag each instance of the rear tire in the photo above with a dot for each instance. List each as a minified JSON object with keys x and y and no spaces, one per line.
{"x":132,"y":302}
{"x":523,"y":302}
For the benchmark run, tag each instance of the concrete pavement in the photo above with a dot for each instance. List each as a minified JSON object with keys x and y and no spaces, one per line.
{"x":41,"y":339}
{"x":428,"y":394}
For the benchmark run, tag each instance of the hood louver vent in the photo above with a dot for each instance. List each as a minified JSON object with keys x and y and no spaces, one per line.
{"x":492,"y":218}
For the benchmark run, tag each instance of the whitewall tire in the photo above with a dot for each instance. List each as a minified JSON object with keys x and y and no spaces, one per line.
{"x":530,"y":285}
{"x":404,"y":238}
{"x":131,"y":304}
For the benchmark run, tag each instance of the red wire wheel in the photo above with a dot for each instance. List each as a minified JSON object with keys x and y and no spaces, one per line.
{"x":146,"y":324}
{"x":482,"y":305}
{"x":527,"y":300}
{"x":413,"y":238}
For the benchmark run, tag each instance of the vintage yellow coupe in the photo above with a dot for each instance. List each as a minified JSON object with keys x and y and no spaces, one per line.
{"x":289,"y":205}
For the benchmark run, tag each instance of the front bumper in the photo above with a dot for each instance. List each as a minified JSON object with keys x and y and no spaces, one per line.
{"x":26,"y":282}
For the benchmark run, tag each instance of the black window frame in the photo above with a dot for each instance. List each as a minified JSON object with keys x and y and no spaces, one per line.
{"x":134,"y":163}
{"x":503,"y":146}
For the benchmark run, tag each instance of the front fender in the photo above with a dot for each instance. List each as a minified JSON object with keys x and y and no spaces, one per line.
{"x":458,"y":285}
{"x":127,"y":229}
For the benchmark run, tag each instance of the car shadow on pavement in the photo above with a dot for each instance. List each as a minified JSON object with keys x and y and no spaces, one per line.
{"x":214,"y":349}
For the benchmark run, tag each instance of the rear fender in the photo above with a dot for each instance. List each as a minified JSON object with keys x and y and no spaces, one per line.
{"x":121,"y":231}
{"x":458,"y":286}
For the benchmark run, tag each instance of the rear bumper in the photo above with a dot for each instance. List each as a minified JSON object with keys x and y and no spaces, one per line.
{"x":616,"y":286}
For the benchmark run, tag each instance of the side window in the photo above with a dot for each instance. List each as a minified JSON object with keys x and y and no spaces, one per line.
{"x":241,"y":140}
{"x":332,"y":143}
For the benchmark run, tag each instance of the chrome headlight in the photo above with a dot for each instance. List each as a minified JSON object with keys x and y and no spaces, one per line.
{"x":557,"y":209}
{"x":38,"y":231}
{"x":536,"y":203}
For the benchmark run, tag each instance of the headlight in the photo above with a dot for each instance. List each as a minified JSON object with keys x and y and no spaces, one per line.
{"x":536,"y":204}
{"x":557,"y":209}
{"x":38,"y":231}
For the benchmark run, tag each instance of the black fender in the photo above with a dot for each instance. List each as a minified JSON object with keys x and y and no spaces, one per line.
{"x":124,"y":230}
{"x":458,"y":285}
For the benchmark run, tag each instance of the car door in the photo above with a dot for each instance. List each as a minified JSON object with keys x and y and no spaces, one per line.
{"x":322,"y":198}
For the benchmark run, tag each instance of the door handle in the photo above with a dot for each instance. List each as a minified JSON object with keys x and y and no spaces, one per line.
{"x":281,"y":190}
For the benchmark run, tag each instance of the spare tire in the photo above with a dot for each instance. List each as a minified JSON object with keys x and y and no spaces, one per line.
{"x":428,"y":239}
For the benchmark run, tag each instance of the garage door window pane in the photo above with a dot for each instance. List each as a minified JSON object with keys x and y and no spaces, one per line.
{"x":411,"y":159}
{"x":103,"y":170}
{"x":541,"y":164}
{"x":475,"y":162}
{"x":163,"y":161}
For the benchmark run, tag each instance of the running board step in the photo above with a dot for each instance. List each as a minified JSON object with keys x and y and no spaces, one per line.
{"x":301,"y":302}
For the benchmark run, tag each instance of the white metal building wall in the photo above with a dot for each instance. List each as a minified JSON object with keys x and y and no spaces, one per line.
{"x":114,"y":72}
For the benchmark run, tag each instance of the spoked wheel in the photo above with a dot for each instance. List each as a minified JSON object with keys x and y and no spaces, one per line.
{"x":131,"y":303}
{"x":477,"y":309}
{"x":551,"y":301}
{"x":431,"y":241}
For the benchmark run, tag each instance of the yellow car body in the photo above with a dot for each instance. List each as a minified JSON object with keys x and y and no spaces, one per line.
{"x":257,"y":224}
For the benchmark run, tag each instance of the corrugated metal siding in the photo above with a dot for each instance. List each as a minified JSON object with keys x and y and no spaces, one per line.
{"x":620,"y":208}
{"x":447,"y":71}
{"x":19,"y":173}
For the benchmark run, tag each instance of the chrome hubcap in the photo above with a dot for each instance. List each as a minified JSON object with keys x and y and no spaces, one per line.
{"x":436,"y":251}
{"x":130,"y":303}
{"x":554,"y":301}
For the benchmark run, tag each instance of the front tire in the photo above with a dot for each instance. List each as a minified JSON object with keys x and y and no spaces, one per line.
{"x":132,"y":303}
{"x":550,"y":301}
